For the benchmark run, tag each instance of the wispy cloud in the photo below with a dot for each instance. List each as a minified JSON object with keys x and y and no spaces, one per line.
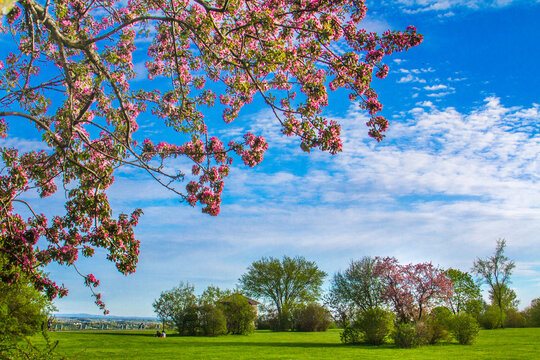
{"x":435,"y":87}
{"x":445,"y":6}
{"x":410,"y":78}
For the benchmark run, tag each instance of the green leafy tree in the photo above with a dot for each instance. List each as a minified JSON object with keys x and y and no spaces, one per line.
{"x":213,"y":295}
{"x":179,"y":306}
{"x":239,"y":313}
{"x":504,"y":297}
{"x":285,"y":283}
{"x":495,"y":271}
{"x":23,"y":312}
{"x":466,"y":292}
{"x":532,"y":313}
{"x":358,"y":285}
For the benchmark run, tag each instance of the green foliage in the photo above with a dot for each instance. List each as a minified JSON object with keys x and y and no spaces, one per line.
{"x":358,"y":285}
{"x":312,"y":317}
{"x":351,"y":335}
{"x":212,"y":321}
{"x":504,"y":297}
{"x":532,"y":313}
{"x":239,"y":313}
{"x":23,"y":310}
{"x":187,"y":321}
{"x":28,"y":349}
{"x":213,"y":295}
{"x":442,"y":314}
{"x":437,"y":325}
{"x":492,"y":317}
{"x":464,"y":328}
{"x":475,"y":307}
{"x":514,"y":319}
{"x":179,"y":306}
{"x":375,"y":324}
{"x":466,"y":292}
{"x":285,"y":283}
{"x":404,"y":335}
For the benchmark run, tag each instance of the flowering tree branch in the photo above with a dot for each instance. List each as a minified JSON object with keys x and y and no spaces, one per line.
{"x":72,"y":76}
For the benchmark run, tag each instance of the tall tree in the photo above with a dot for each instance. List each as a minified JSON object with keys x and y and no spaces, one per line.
{"x":495,"y":271}
{"x":466,"y":292}
{"x":358,"y":285}
{"x":285,"y":283}
{"x":67,"y":70}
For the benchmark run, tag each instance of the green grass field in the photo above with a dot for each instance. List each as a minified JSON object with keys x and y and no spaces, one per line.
{"x":131,"y":345}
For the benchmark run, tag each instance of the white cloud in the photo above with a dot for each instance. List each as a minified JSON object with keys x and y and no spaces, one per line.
{"x":435,"y":87}
{"x":445,"y":6}
{"x":441,"y":94}
{"x":411,"y":78}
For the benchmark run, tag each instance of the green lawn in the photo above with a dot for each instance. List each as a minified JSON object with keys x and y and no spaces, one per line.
{"x":131,"y":345}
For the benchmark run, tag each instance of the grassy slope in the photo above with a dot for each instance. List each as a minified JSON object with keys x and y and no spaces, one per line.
{"x":492,"y":344}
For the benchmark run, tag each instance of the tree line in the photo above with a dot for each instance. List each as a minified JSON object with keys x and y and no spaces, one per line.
{"x":372,"y":299}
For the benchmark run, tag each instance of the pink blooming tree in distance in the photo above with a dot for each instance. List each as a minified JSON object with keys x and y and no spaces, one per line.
{"x":67,"y":68}
{"x":412,"y":289}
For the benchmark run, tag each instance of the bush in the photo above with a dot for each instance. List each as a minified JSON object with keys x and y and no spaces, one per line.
{"x":212,"y":320}
{"x":350,"y":335}
{"x":514,"y":319}
{"x":464,"y":328}
{"x":187,"y":321}
{"x":405,"y":336}
{"x":492,"y":318}
{"x":240,"y":315}
{"x":422,"y":332}
{"x":312,"y":317}
{"x":442,"y":314}
{"x":438,"y":325}
{"x":375,"y":324}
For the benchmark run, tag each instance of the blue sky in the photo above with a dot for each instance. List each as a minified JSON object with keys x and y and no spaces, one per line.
{"x":460,"y":168}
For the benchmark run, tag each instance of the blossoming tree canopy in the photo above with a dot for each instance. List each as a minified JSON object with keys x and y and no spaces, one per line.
{"x":71,"y":74}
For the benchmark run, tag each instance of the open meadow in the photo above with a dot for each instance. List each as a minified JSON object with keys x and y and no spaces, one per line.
{"x":491,"y":344}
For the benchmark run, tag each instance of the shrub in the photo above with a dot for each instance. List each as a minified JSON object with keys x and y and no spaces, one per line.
{"x":375,"y":324}
{"x":405,"y":336}
{"x":350,"y":335}
{"x":265,"y":322}
{"x":312,"y":317}
{"x":464,"y":328}
{"x":422,"y":332}
{"x":492,"y":317}
{"x":438,"y":325}
{"x":442,"y":314}
{"x":514,"y":319}
{"x":187,"y":321}
{"x":212,"y":320}
{"x":240,"y":315}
